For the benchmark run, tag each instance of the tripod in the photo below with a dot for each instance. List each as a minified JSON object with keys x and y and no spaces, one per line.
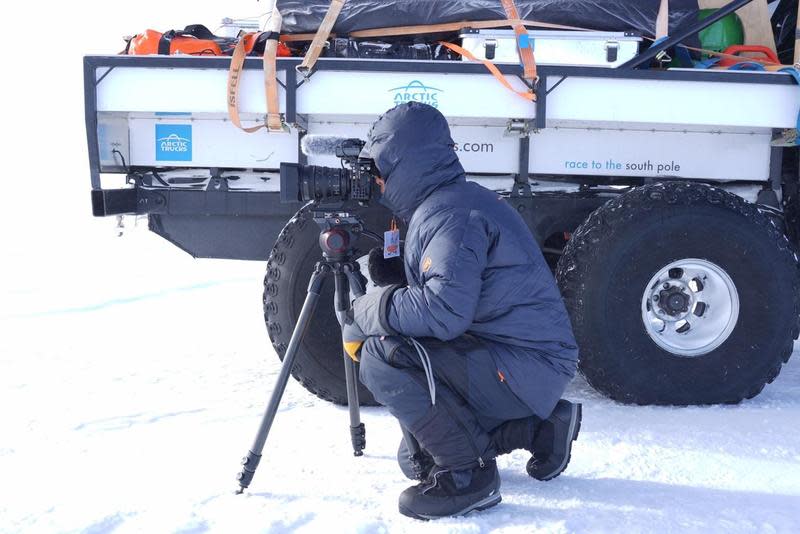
{"x":338,"y":232}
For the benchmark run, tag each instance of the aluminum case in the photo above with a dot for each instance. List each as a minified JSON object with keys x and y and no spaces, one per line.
{"x":588,"y":49}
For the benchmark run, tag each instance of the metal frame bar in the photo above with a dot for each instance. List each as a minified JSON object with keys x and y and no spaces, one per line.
{"x":90,"y":114}
{"x":540,"y":120}
{"x":437,"y":67}
{"x":291,"y":96}
{"x":776,"y":168}
{"x":522,"y":186}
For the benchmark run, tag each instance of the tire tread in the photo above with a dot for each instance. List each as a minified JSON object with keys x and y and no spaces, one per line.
{"x":583,"y":250}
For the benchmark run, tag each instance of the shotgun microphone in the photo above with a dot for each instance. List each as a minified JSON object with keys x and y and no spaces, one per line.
{"x":332,"y":145}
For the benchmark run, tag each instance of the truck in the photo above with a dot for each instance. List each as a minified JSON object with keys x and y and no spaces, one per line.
{"x":666,"y":200}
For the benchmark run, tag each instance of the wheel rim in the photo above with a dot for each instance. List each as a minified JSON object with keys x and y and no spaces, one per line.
{"x":690,"y":307}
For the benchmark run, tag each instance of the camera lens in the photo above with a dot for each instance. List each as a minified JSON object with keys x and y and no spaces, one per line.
{"x":302,"y":183}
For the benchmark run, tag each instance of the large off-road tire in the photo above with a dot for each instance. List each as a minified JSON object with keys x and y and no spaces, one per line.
{"x":318,"y":366}
{"x":713,"y":261}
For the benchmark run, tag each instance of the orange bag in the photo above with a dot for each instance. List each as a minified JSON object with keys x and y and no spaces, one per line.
{"x":196,"y":40}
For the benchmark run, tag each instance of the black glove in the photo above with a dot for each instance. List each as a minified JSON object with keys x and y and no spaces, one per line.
{"x":386,"y":272}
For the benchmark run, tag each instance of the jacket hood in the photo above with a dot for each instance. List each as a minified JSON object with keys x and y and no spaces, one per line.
{"x":413,"y":150}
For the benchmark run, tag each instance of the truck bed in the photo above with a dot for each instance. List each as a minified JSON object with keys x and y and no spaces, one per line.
{"x":685,"y":123}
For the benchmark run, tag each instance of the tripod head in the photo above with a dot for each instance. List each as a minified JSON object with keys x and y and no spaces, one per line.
{"x":338,"y":234}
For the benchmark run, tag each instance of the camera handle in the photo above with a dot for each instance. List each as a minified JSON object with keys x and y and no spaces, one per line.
{"x":335,"y":244}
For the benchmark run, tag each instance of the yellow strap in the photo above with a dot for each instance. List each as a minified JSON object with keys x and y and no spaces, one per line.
{"x":234,"y":77}
{"x":525,"y":54}
{"x":321,"y":37}
{"x":662,"y":20}
{"x":273,"y":122}
{"x":527,"y":95}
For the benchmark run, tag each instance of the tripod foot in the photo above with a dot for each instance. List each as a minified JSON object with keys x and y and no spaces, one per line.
{"x":249,"y":465}
{"x":358,"y":436}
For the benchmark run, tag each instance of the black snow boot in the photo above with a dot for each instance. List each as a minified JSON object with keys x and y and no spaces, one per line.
{"x":414,"y":467}
{"x":552,"y":444}
{"x":447,"y":493}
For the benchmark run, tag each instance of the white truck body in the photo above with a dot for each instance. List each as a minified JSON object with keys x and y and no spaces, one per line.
{"x":706,"y":125}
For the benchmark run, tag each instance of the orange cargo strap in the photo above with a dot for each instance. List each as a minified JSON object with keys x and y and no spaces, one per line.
{"x":320,"y":38}
{"x":273,"y":122}
{"x":662,"y":20}
{"x":527,"y":95}
{"x":526,"y":53}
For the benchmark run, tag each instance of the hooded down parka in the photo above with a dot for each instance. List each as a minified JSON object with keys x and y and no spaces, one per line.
{"x":471,"y":262}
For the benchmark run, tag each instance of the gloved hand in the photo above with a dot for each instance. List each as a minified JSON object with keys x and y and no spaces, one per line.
{"x":352,"y":337}
{"x":386,"y":272}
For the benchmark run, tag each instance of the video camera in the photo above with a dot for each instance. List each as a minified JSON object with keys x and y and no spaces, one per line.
{"x":353,"y":181}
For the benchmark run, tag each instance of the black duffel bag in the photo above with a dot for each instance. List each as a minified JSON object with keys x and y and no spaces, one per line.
{"x":305,"y":16}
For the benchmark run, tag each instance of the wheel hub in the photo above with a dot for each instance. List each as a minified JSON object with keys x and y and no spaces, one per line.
{"x":673,"y":301}
{"x":690,"y":307}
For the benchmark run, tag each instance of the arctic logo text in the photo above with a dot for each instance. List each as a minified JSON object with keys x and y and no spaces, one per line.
{"x":173,"y":142}
{"x":418,"y":92}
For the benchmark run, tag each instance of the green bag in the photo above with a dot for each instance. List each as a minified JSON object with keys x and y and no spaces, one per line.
{"x":725,"y":32}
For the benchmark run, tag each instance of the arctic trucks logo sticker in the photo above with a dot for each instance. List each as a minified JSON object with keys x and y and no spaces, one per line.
{"x":173,"y":142}
{"x":418,"y":92}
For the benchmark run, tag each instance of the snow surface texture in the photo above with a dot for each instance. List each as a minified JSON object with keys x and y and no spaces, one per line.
{"x":133,"y":378}
{"x":132,"y":386}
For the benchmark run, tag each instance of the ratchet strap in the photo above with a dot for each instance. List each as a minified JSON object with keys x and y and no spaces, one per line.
{"x":527,"y":95}
{"x":523,"y":43}
{"x":274,"y":122}
{"x":320,"y":38}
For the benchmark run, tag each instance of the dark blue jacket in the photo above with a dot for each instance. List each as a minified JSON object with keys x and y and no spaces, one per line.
{"x":471,"y":262}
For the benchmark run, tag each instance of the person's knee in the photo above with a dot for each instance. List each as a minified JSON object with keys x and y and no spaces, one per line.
{"x":376,"y":354}
{"x":382,"y":348}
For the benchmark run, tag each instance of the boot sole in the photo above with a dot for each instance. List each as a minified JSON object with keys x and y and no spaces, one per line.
{"x":576,"y":415}
{"x":483,"y":504}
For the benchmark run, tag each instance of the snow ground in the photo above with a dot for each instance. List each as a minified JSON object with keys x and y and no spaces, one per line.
{"x":132,"y":377}
{"x":133,"y":384}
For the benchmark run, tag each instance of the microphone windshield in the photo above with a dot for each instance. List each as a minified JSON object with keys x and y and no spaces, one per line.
{"x":321,"y":145}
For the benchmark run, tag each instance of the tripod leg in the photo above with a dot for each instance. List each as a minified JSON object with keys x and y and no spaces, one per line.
{"x":358,"y":433}
{"x":250,"y":462}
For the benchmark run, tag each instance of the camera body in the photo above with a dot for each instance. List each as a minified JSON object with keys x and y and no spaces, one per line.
{"x":329,"y":185}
